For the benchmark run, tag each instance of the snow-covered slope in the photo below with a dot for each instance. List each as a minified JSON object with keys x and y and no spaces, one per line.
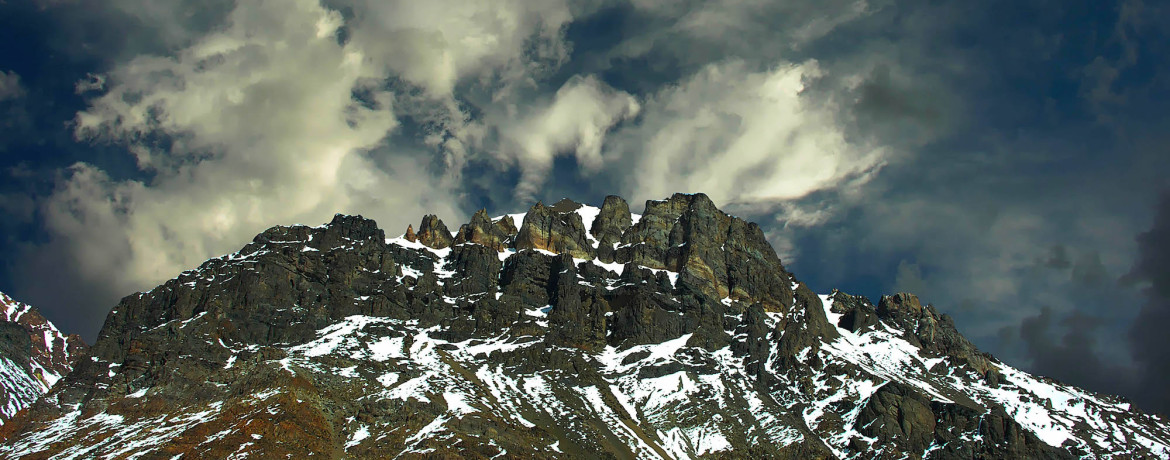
{"x":335,"y":341}
{"x":35,"y":355}
{"x":1058,"y":415}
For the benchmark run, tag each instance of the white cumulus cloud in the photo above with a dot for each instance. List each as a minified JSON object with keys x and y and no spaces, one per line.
{"x":252,"y":125}
{"x":574,"y":122}
{"x":742,"y":135}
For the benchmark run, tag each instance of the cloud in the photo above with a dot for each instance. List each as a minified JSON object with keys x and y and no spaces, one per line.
{"x":14,"y":116}
{"x":465,"y":68}
{"x":436,"y":44}
{"x":264,"y":113}
{"x":909,"y":278}
{"x":576,"y":121}
{"x":741,"y":135}
{"x":110,"y":32}
{"x":1102,"y":84}
{"x":251,"y":125}
{"x":1071,"y":356}
{"x":1057,"y":258}
{"x":1089,"y":271}
{"x":10,"y":87}
{"x":782,"y":111}
{"x":699,"y":32}
{"x":1147,"y":335}
{"x":967,"y":252}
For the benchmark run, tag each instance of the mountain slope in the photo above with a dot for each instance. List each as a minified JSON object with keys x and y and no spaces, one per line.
{"x":34,"y":355}
{"x":581,"y":333}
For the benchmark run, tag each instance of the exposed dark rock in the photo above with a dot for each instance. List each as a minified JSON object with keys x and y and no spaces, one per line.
{"x":899,"y":412}
{"x":565,"y":206}
{"x":900,"y":304}
{"x":507,"y":226}
{"x":483,"y":231}
{"x":433,"y":233}
{"x":33,"y":355}
{"x":857,"y":313}
{"x":477,"y":269}
{"x":577,"y":317}
{"x":642,"y":317}
{"x":613,"y":220}
{"x":15,"y":344}
{"x":343,"y":229}
{"x":527,"y":275}
{"x":804,"y":328}
{"x":724,"y":256}
{"x":558,"y":232}
{"x":1002,"y":436}
{"x":288,"y":283}
{"x":932,"y":331}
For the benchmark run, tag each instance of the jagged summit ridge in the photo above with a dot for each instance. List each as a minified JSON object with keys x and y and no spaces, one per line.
{"x":676,"y":333}
{"x":34,"y":355}
{"x":685,"y":234}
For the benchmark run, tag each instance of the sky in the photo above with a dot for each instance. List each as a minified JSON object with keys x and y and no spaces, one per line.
{"x":1005,"y":160}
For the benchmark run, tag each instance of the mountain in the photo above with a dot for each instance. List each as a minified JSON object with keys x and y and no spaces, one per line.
{"x":568,"y":331}
{"x":34,"y":355}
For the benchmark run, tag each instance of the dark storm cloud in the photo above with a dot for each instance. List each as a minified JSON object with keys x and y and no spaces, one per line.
{"x":909,"y":278}
{"x":1089,"y":270}
{"x":1025,"y":198}
{"x":14,"y":117}
{"x":1148,"y":335}
{"x":1066,"y":349}
{"x":1057,"y":258}
{"x":883,"y":98}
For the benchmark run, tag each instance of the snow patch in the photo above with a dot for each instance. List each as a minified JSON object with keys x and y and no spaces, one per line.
{"x":457,"y":403}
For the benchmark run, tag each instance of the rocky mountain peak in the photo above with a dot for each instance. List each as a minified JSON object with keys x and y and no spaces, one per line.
{"x":923,"y":327}
{"x":557,"y":229}
{"x":507,"y":225}
{"x":34,"y":355}
{"x":900,"y":303}
{"x":433,"y":233}
{"x":688,"y":234}
{"x":613,"y":219}
{"x":586,"y":332}
{"x":483,"y":231}
{"x":565,"y":205}
{"x":354,"y":228}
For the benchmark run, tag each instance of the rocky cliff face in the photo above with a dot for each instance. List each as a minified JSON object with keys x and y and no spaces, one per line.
{"x":34,"y":355}
{"x":583,"y":332}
